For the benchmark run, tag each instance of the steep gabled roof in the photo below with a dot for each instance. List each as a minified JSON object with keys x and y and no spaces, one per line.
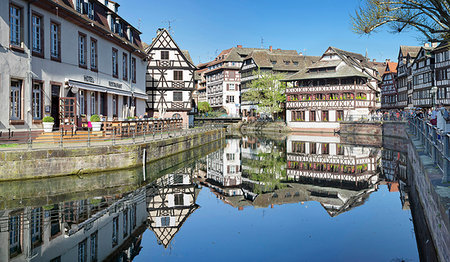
{"x":164,"y":39}
{"x":391,"y":67}
{"x":345,"y":67}
{"x":411,"y":50}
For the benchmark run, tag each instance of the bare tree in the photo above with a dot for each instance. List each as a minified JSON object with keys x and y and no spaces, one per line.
{"x":430,"y":17}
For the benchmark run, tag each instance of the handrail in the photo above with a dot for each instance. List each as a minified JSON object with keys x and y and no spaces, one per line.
{"x":436,"y":143}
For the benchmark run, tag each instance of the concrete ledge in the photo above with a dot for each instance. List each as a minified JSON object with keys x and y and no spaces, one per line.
{"x":18,"y":165}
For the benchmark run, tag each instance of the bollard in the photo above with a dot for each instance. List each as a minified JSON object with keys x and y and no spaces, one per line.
{"x":114,"y":136}
{"x":61,"y":139}
{"x":29,"y":139}
{"x":89,"y":138}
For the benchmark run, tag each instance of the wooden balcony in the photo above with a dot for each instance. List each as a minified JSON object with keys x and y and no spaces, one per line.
{"x":331,"y":88}
{"x":330,"y":104}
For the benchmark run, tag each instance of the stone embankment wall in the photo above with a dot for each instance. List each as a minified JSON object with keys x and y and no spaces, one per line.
{"x":435,"y":214}
{"x":386,"y":128}
{"x":17,"y":165}
{"x":264,"y":127}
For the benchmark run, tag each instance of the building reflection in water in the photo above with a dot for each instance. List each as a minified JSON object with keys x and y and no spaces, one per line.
{"x":170,"y":201}
{"x":299,"y":169}
{"x":249,"y":171}
{"x":91,"y":229}
{"x":99,"y":228}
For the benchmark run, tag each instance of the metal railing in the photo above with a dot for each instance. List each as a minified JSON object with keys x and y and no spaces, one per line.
{"x":374,"y":118}
{"x":133,"y":132}
{"x":436,"y":144}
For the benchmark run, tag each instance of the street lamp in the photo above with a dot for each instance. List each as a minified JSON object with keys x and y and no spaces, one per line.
{"x":433,"y":90}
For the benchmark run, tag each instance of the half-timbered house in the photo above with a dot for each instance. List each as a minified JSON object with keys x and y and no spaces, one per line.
{"x":423,"y":77}
{"x":170,"y":201}
{"x":340,"y":86}
{"x":406,"y":56}
{"x":325,"y":158}
{"x":442,"y":75}
{"x":389,"y":87}
{"x":169,"y":79}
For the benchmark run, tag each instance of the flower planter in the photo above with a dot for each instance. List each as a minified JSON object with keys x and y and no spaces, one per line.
{"x":48,"y":126}
{"x":96,"y":126}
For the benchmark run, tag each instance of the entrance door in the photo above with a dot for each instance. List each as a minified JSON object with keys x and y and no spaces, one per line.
{"x":55,"y":104}
{"x":68,"y":113}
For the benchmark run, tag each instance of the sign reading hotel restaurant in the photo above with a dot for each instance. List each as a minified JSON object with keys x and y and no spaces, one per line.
{"x":114,"y":84}
{"x":89,"y":79}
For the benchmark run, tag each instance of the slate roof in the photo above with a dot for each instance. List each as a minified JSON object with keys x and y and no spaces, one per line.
{"x":238,"y":54}
{"x":411,"y":50}
{"x":346,"y":67}
{"x":277,"y":60}
{"x":188,"y":56}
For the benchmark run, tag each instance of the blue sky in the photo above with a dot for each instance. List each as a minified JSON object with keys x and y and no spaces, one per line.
{"x":205,"y":27}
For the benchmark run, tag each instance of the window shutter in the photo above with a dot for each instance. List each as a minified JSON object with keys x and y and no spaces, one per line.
{"x":228,"y":87}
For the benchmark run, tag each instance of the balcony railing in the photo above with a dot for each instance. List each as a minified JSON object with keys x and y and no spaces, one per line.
{"x":330,"y":88}
{"x":329,"y":104}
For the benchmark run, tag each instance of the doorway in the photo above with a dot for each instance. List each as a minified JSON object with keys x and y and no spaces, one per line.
{"x":55,"y":104}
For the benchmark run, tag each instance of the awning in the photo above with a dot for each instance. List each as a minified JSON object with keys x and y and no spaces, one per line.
{"x":74,"y":84}
{"x":85,"y":86}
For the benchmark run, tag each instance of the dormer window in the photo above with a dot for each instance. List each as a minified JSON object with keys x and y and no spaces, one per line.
{"x":273,"y":62}
{"x":79,"y":6}
{"x":295,"y":63}
{"x":90,"y":10}
{"x":287,"y":62}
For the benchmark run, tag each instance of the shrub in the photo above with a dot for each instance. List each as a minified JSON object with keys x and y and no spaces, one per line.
{"x":95,"y":118}
{"x":48,"y":119}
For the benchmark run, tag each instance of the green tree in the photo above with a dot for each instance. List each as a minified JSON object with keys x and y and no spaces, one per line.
{"x":267,"y":91}
{"x":430,"y":17}
{"x":269,"y":169}
{"x":204,"y":107}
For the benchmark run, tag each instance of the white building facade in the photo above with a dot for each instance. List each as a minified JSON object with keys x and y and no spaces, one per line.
{"x":79,"y":49}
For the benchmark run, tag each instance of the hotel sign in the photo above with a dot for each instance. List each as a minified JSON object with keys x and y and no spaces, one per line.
{"x":89,"y":79}
{"x":114,"y":84}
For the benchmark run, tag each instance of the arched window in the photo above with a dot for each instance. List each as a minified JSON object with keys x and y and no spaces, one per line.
{"x":176,"y":115}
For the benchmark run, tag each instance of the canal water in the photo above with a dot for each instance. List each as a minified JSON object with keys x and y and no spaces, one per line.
{"x":246,"y":198}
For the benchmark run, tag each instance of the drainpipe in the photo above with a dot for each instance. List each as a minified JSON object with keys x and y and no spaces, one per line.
{"x":27,"y":112}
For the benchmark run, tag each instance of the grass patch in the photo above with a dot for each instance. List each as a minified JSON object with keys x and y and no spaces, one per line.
{"x":8,"y":145}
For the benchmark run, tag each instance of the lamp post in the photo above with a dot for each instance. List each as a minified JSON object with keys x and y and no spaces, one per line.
{"x":433,"y":95}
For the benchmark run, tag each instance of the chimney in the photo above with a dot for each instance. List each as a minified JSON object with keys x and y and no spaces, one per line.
{"x":279,"y":49}
{"x":301,"y":53}
{"x":270,"y":48}
{"x":426,"y":45}
{"x":374,"y":60}
{"x":388,"y":60}
{"x":239,"y":46}
{"x":434,"y":44}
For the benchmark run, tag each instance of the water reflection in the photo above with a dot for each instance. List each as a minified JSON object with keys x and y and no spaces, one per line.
{"x":108,"y":223}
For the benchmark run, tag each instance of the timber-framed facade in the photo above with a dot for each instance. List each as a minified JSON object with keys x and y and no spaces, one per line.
{"x":169,"y":78}
{"x":340,"y":86}
{"x":389,"y":94}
